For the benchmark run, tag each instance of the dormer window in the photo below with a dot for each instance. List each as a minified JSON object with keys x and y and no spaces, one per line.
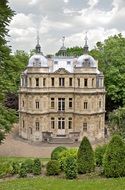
{"x":55,"y":62}
{"x":68,"y":62}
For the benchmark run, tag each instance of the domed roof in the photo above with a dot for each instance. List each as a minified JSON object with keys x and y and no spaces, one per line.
{"x":37,"y":60}
{"x":86,"y":60}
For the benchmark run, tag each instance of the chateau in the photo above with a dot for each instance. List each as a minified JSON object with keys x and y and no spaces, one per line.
{"x":62,"y":97}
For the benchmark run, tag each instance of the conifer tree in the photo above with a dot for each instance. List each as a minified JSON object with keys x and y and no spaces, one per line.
{"x":85,"y":157}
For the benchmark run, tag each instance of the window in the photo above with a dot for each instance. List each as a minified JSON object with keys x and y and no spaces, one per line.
{"x":70,"y":81}
{"x":61,"y":123}
{"x":30,"y":82}
{"x":85,"y":105}
{"x":100,"y":103}
{"x":61,"y":104}
{"x":37,"y":81}
{"x":85,"y":82}
{"x":23,"y":123}
{"x":37,"y":105}
{"x":61,"y":81}
{"x":30,"y":129}
{"x":70,"y":123}
{"x":101,"y":83}
{"x":44,"y":81}
{"x":92,"y":82}
{"x":52,"y":103}
{"x":52,"y":81}
{"x":52,"y":122}
{"x":84,"y":127}
{"x":37,"y":126}
{"x":23,"y":103}
{"x":70,"y":102}
{"x":78,"y":82}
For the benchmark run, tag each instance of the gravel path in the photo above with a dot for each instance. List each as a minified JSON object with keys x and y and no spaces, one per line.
{"x":15,"y":146}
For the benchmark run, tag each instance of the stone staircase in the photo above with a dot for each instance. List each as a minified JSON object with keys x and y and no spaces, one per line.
{"x":60,"y":139}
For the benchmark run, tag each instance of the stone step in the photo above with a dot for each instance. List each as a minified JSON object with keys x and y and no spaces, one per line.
{"x":60,"y":140}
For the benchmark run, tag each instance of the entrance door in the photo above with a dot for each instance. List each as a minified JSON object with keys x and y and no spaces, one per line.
{"x":61,"y":126}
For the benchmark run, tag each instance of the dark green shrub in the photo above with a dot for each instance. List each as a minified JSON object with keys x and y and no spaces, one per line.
{"x":65,"y":154}
{"x":23,"y":171}
{"x":29,"y":165}
{"x":37,"y":167}
{"x":5,"y":169}
{"x":114,"y":158}
{"x":53,"y":167}
{"x":70,"y":168}
{"x":56,"y":152}
{"x":99,"y":153}
{"x":85,"y":157}
{"x":16,"y":167}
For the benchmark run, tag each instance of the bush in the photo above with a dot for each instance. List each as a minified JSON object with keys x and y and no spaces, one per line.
{"x":85,"y":157}
{"x":5,"y":169}
{"x":15,"y":167}
{"x":65,"y":154}
{"x":56,"y":152}
{"x":53,"y":167}
{"x":114,"y":158}
{"x":29,"y":165}
{"x":99,"y":153}
{"x":37,"y":167}
{"x":23,"y":171}
{"x":70,"y":168}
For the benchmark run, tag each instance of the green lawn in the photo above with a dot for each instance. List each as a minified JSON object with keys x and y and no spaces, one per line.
{"x":46,"y":183}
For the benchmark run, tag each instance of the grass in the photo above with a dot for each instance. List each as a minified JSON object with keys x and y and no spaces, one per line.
{"x":49,"y":183}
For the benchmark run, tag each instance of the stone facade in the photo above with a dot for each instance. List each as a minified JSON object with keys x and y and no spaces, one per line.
{"x":62,"y":97}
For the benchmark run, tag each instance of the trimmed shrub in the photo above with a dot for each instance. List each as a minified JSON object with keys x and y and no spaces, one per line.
{"x":29,"y":165}
{"x":5,"y":169}
{"x":85,"y":157}
{"x":99,"y":153}
{"x":23,"y":171}
{"x":114,"y":158}
{"x":56,"y":152}
{"x":70,"y":168}
{"x":37,"y":167}
{"x":16,"y":167}
{"x":65,"y":154}
{"x":53,"y":167}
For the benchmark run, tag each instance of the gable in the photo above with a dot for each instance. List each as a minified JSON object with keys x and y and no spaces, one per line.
{"x":61,"y":71}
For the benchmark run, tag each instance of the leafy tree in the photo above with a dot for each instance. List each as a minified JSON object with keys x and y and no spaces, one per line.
{"x":117,"y":121}
{"x":99,"y":153}
{"x":56,"y":152}
{"x":114,"y":158}
{"x":85,"y":157}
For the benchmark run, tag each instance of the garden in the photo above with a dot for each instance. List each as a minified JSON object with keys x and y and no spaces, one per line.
{"x":102,"y":168}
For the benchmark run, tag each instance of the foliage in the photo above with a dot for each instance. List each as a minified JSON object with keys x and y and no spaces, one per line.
{"x":56,"y":152}
{"x":53,"y":167}
{"x":16,"y":167}
{"x":29,"y":164}
{"x":70,"y":167}
{"x":72,"y":152}
{"x":23,"y":170}
{"x":114,"y":158}
{"x":7,"y":118}
{"x":85,"y":157}
{"x":37,"y":167}
{"x":117,"y":121}
{"x":99,"y":153}
{"x":5,"y":169}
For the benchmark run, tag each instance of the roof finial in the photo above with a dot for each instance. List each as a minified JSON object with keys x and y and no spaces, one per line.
{"x":38,"y":47}
{"x":63,"y":41}
{"x":86,"y":48}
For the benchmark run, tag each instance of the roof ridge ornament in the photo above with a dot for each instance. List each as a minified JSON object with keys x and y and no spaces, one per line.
{"x":38,"y":47}
{"x":63,"y":41}
{"x":86,"y":47}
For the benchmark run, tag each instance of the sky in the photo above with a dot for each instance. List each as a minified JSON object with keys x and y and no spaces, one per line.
{"x":69,"y":18}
